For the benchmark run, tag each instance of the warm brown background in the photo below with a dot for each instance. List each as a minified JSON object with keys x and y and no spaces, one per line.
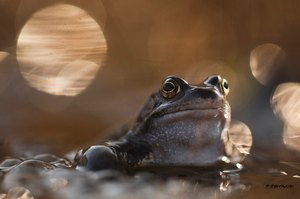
{"x":146,"y":41}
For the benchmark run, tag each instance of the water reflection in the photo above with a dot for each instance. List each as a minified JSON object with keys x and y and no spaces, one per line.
{"x":266,"y":61}
{"x":58,"y":183}
{"x":52,"y":176}
{"x":286,"y":104}
{"x":239,"y":141}
{"x":60,"y":50}
{"x":17,"y":193}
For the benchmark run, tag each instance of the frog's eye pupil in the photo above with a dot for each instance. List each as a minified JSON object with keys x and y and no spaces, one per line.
{"x":225,"y":85}
{"x":168,"y":86}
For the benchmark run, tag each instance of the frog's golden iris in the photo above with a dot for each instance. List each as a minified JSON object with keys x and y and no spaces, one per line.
{"x":169,"y":88}
{"x":224,"y":86}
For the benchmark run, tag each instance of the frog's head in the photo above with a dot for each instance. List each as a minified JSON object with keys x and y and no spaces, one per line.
{"x":186,"y":124}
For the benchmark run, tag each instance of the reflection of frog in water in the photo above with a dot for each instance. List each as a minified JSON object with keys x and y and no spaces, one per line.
{"x":181,"y":125}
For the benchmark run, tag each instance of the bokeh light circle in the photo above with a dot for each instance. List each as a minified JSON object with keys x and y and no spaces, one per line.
{"x":286,"y":103}
{"x":60,"y":49}
{"x":291,"y":137}
{"x":266,"y":61}
{"x":239,"y":141}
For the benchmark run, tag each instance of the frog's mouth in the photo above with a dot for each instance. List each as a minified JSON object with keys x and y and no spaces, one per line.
{"x":210,"y":111}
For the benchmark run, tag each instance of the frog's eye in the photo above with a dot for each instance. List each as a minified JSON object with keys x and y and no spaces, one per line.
{"x":169,"y":88}
{"x":224,"y":86}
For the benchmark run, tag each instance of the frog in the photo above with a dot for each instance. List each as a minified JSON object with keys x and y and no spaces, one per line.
{"x":180,"y":125}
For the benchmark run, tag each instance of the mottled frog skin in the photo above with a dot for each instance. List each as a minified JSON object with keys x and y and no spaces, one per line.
{"x":180,"y":125}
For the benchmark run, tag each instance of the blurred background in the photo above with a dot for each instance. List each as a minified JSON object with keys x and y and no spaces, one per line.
{"x":73,"y":71}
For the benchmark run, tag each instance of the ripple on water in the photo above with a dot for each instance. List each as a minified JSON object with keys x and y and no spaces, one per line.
{"x":39,"y":177}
